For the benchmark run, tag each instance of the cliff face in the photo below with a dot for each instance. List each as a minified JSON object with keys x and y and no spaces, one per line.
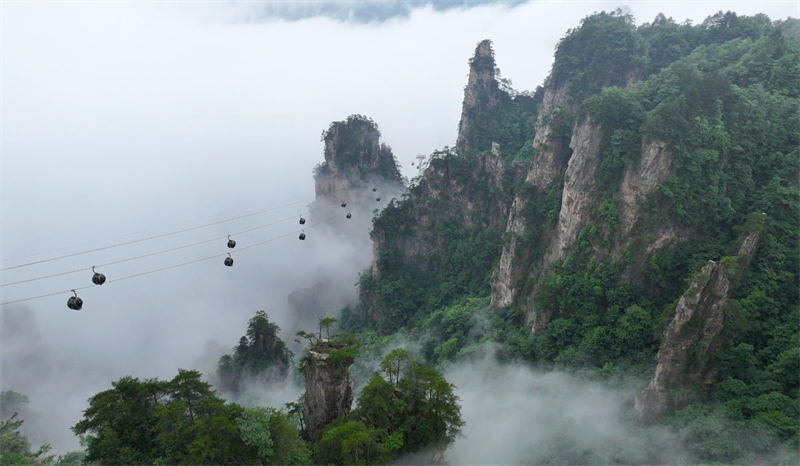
{"x":470,"y":190}
{"x":355,"y":161}
{"x":481,"y":95}
{"x":329,"y":389}
{"x":550,"y":151}
{"x":641,"y":179}
{"x":579,"y":184}
{"x":556,"y":136}
{"x":550,"y":155}
{"x":493,"y":113}
{"x":461,"y":193}
{"x":687,"y":363}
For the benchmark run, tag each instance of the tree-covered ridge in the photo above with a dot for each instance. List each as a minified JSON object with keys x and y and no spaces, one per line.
{"x":607,"y":49}
{"x":729,"y":114}
{"x":352,"y":146}
{"x":603,"y":51}
{"x":722,"y":97}
{"x":493,"y":112}
{"x":260,"y":356}
{"x":461,"y":204}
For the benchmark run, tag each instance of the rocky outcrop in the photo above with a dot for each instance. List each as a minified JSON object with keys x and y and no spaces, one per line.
{"x":641,"y":179}
{"x":329,"y":389}
{"x":686,"y":358}
{"x":468,"y":191}
{"x":550,"y":158}
{"x":481,"y":95}
{"x":355,"y":160}
{"x":552,"y":152}
{"x":577,"y":204}
{"x":578,"y":199}
{"x":643,"y":231}
{"x":508,"y":273}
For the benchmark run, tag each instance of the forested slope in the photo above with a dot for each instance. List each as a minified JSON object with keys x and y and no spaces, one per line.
{"x":655,"y":149}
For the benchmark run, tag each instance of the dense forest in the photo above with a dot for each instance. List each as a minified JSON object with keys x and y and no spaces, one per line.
{"x":596,"y":278}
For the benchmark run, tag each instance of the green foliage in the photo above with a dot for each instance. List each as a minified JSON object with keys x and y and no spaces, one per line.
{"x":397,"y":362}
{"x":254,"y":428}
{"x":599,"y":53}
{"x":357,"y":150}
{"x":274,"y":435}
{"x":14,"y":447}
{"x":341,"y":358}
{"x":180,"y":421}
{"x":596,"y":319}
{"x":260,"y":354}
{"x":326,"y":323}
{"x":540,"y":210}
{"x":498,"y":116}
{"x":712,"y":435}
{"x":343,"y":442}
{"x":412,"y":409}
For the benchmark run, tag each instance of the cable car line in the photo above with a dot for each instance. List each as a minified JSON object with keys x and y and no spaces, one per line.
{"x":152,"y":237}
{"x":215,"y":256}
{"x":84,"y":269}
{"x":118,"y":236}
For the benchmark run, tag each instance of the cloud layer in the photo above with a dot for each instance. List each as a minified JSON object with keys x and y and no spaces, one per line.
{"x":124,"y":118}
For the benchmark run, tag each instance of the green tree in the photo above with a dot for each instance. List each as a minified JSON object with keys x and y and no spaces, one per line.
{"x":254,"y":425}
{"x":353,"y":442}
{"x":180,"y":421}
{"x":417,"y":405}
{"x":326,"y":323}
{"x":395,"y":363}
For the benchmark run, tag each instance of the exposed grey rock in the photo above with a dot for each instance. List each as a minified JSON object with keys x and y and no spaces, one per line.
{"x":687,"y":363}
{"x":355,"y":160}
{"x":329,"y":389}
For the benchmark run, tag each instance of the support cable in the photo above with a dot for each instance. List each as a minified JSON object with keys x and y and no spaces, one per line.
{"x":153,"y":237}
{"x":166,"y":268}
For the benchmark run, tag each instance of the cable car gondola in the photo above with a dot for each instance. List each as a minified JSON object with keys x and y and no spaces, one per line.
{"x":378,"y":199}
{"x":348,"y":215}
{"x":374,"y":189}
{"x":229,"y":260}
{"x":74,"y":302}
{"x":98,"y":278}
{"x":302,"y":220}
{"x":302,"y":235}
{"x":344,"y":204}
{"x":231,"y":243}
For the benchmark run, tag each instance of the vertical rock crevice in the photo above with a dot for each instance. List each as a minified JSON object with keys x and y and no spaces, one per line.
{"x":550,"y":155}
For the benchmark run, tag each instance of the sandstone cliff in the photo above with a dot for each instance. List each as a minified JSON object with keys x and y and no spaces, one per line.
{"x":481,"y":95}
{"x":522,"y":264}
{"x":489,"y":106}
{"x":355,"y":161}
{"x":460,"y":193}
{"x":687,"y":363}
{"x":329,"y":389}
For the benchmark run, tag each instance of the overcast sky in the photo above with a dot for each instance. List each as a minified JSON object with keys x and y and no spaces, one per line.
{"x":127,"y":117}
